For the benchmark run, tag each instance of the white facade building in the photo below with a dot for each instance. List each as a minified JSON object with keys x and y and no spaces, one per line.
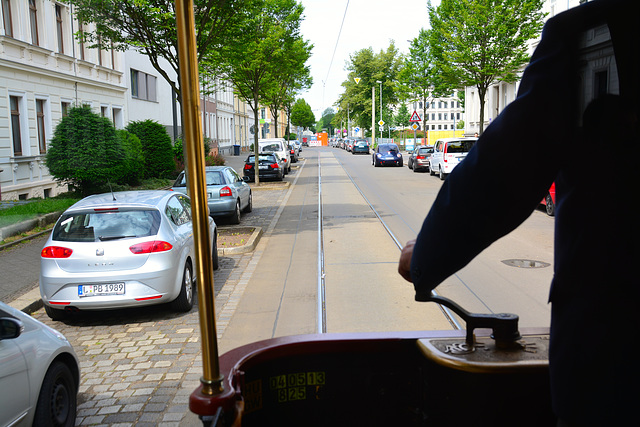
{"x":500,"y":94}
{"x":43,"y":72}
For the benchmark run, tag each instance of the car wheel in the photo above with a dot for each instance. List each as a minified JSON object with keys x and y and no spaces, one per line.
{"x":431,"y":171}
{"x":57,"y":400}
{"x":442,"y":175}
{"x":215,"y":260}
{"x":249,"y":206}
{"x":55,"y":314}
{"x":184,"y":302}
{"x":409,"y":165}
{"x":235,"y":216}
{"x":415,"y":169}
{"x":550,"y":206}
{"x":400,"y":163}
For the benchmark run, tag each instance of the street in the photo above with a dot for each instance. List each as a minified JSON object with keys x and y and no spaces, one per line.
{"x":139,"y":366}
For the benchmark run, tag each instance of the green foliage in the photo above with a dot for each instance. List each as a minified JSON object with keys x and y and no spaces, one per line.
{"x":215,"y":160}
{"x":156,"y":148}
{"x":133,"y":159}
{"x":85,"y":151}
{"x":370,"y":68}
{"x":480,"y":42}
{"x":301,"y":114}
{"x":35,"y":208}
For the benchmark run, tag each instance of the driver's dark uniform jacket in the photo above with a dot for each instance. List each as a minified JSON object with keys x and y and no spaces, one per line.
{"x":563,"y":127}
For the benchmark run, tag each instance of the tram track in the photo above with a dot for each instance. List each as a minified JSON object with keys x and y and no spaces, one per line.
{"x":322,"y":308}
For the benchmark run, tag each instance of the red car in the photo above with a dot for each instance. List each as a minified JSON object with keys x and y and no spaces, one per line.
{"x":550,"y":200}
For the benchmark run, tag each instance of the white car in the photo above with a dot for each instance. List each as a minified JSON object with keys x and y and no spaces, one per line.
{"x":277,"y":146}
{"x":447,"y":153}
{"x":39,"y":372}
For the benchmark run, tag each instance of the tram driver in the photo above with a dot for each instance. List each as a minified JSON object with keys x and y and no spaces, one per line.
{"x":582,"y":87}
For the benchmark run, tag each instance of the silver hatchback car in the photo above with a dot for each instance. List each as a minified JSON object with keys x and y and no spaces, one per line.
{"x":227,"y":193}
{"x":123,"y":249}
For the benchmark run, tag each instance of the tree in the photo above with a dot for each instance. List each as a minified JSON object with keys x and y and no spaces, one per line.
{"x":302,"y":115}
{"x":416,"y":78}
{"x":479,"y":42}
{"x":402,"y":117}
{"x":253,"y":53}
{"x":369,"y":68}
{"x":85,"y":151}
{"x":291,"y":76}
{"x":325,"y":121}
{"x":157,"y":150}
{"x":150,"y":27}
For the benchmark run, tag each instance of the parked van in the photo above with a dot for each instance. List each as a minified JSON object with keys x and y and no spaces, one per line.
{"x":447,"y":153}
{"x":278,"y":146}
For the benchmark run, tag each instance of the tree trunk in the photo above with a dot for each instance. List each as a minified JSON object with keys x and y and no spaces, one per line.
{"x":482,"y":91}
{"x":256,"y":165}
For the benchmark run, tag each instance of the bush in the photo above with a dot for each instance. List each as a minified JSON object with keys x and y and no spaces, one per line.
{"x":178,"y":150}
{"x":85,"y":151}
{"x":133,"y":158}
{"x":216,"y":160}
{"x":156,"y":148}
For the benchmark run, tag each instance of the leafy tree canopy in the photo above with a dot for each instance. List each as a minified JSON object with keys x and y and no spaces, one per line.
{"x":302,"y":115}
{"x":479,"y":42}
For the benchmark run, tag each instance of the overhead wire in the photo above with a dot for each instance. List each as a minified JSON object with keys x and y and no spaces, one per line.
{"x":336,"y":46}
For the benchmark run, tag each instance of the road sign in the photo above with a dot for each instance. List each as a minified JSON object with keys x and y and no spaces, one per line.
{"x":415,"y":117}
{"x":381,"y":122}
{"x":381,"y":128}
{"x":414,"y":126}
{"x":357,"y":129}
{"x":357,"y":79}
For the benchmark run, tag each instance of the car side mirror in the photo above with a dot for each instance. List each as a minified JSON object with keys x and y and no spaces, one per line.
{"x":10,"y":328}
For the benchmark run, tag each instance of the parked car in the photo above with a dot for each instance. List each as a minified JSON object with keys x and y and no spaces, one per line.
{"x":124,"y":249}
{"x":227,"y":193}
{"x":420,"y":158}
{"x":360,"y":146}
{"x":279,"y":147}
{"x":39,"y":372}
{"x":297,"y":144}
{"x":269,"y":168}
{"x":549,"y":200}
{"x":294,"y":153}
{"x":386,"y":154}
{"x":447,"y":153}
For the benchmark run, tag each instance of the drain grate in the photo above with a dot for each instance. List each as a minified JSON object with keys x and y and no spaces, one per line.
{"x":525,"y":263}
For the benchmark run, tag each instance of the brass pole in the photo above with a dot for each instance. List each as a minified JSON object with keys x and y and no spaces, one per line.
{"x":194,"y":153}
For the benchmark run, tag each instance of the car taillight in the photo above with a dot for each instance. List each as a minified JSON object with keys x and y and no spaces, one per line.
{"x":248,"y":167}
{"x":225,"y":192}
{"x":420,"y":157}
{"x":56,"y":252}
{"x":293,"y":152}
{"x":274,"y":166}
{"x":150,"y":247}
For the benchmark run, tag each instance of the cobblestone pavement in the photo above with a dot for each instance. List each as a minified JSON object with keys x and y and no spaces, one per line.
{"x":140,"y":366}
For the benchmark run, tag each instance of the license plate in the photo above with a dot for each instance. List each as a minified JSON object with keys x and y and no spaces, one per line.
{"x":263,"y":167}
{"x":101,"y":290}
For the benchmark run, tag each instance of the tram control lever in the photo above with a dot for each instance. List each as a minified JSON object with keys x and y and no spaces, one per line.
{"x":504,"y":325}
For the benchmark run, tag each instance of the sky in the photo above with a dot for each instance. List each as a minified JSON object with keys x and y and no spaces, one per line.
{"x":367,"y":23}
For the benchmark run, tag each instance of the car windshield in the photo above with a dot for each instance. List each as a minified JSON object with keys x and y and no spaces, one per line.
{"x":93,"y":226}
{"x":271,"y":147}
{"x":425,"y":150}
{"x":212,"y":178}
{"x":262,"y":158}
{"x":459,"y":146}
{"x":388,"y":149}
{"x":363,"y":142}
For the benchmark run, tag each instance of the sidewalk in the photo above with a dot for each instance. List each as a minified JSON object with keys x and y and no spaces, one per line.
{"x":140,"y":366}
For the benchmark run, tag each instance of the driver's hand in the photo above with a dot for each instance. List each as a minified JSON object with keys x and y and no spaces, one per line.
{"x":404,"y":264}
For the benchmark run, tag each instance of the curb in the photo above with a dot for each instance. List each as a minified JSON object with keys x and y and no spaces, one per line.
{"x":24,"y":226}
{"x":248,"y":247}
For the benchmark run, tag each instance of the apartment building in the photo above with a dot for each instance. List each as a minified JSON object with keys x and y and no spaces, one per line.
{"x":43,"y":73}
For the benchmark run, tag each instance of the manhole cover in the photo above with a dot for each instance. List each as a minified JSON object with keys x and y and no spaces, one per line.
{"x":525,"y":263}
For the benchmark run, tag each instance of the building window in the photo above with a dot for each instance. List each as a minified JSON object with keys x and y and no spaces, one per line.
{"x":601,"y":83}
{"x":14,"y":102}
{"x":104,"y":111}
{"x":65,"y":107}
{"x":33,"y":21}
{"x":81,"y":31}
{"x":6,"y":17}
{"x":59,"y":31}
{"x":143,"y":86}
{"x":42,"y":139}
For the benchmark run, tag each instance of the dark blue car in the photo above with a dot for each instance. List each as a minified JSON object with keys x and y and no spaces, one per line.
{"x":386,"y":154}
